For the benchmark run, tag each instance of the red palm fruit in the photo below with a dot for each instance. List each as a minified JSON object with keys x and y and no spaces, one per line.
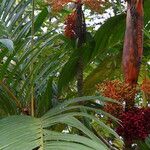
{"x":134,"y":125}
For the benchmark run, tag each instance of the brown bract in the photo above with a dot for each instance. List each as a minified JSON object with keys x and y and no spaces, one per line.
{"x":133,"y":42}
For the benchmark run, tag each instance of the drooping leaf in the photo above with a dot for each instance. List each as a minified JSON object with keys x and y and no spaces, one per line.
{"x":3,"y":30}
{"x":7,"y":43}
{"x":108,"y":68}
{"x":109,"y":34}
{"x":39,"y":20}
{"x":45,"y":103}
{"x":68,"y":72}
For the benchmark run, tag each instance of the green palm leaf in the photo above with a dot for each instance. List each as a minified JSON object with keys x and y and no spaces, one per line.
{"x":24,"y":132}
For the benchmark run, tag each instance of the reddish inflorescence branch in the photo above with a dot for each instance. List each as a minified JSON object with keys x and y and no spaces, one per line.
{"x":145,"y":87}
{"x":70,"y":25}
{"x":57,"y":5}
{"x":94,"y":5}
{"x":118,"y":90}
{"x":122,"y":92}
{"x":135,"y":122}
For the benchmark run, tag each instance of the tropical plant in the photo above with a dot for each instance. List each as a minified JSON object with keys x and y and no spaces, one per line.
{"x":21,"y":63}
{"x":27,"y":87}
{"x":106,"y":43}
{"x":24,"y":132}
{"x":132,"y":56}
{"x":38,"y":67}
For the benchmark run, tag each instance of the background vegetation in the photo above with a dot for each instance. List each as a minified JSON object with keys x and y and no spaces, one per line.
{"x":39,"y":72}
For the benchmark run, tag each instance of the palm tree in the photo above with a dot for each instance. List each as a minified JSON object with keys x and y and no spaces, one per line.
{"x":29,"y":73}
{"x":26,"y":72}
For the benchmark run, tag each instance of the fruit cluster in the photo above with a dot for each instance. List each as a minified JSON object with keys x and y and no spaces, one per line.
{"x":119,"y":91}
{"x":94,"y":5}
{"x":57,"y":5}
{"x":70,"y":25}
{"x":135,"y":124}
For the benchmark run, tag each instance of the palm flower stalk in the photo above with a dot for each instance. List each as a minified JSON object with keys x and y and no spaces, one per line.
{"x":81,"y":35}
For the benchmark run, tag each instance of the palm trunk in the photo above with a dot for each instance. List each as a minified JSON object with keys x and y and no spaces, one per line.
{"x":81,"y":33}
{"x":80,"y":76}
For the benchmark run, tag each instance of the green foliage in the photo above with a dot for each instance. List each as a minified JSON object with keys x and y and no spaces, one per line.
{"x":45,"y":102}
{"x":105,"y":70}
{"x":3,"y":31}
{"x":71,"y":65}
{"x":54,"y":62}
{"x":7,"y":43}
{"x":15,"y":65}
{"x":24,"y":132}
{"x":109,"y":34}
{"x":40,"y":18}
{"x":32,"y":133}
{"x":145,"y":145}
